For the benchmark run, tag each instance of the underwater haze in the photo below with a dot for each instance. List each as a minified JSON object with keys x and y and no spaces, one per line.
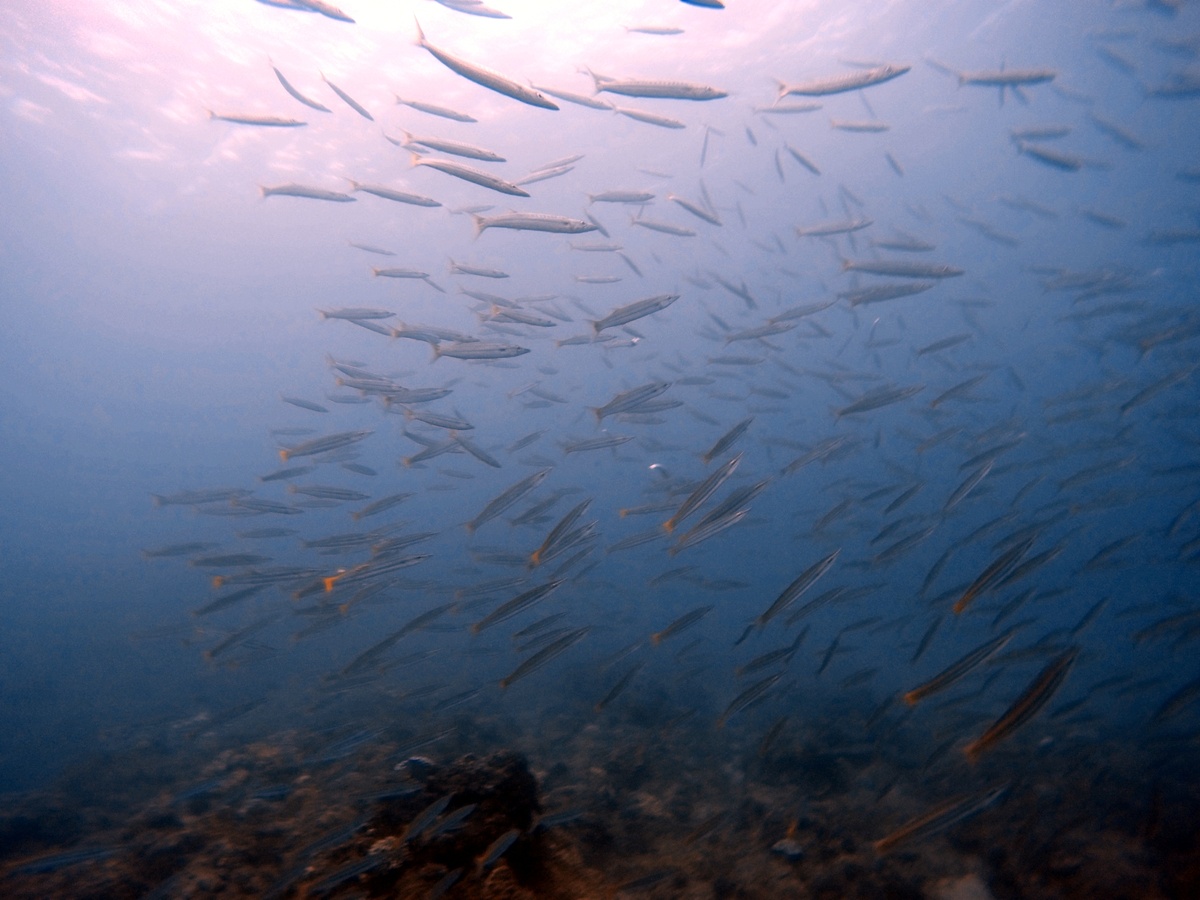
{"x":637,"y":449}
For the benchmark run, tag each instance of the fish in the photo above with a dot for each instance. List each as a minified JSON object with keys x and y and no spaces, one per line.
{"x":696,"y":210}
{"x":630,"y":399}
{"x":755,"y":692}
{"x":229,"y":560}
{"x":685,"y":621}
{"x":653,"y":29}
{"x":326,"y":492}
{"x":664,"y":227}
{"x":349,"y":101}
{"x":781,"y":654}
{"x":560,"y":536}
{"x":640,"y":115}
{"x":517,"y":605}
{"x":388,"y":193}
{"x":884,"y":292}
{"x":570,"y":97}
{"x":1039,"y":132}
{"x":474,"y":8}
{"x":838,"y":84}
{"x":802,"y":159}
{"x":969,"y":484}
{"x":493,"y":81}
{"x":532,"y":222}
{"x":759,"y":332}
{"x":827,"y":229}
{"x":619,"y":687}
{"x":381,"y":505}
{"x":371,"y":248}
{"x":878,"y":398}
{"x":251,"y":119}
{"x":1056,"y":159}
{"x":1026,"y":706}
{"x":511,"y":495}
{"x":543,"y":656}
{"x":778,"y":108}
{"x":306,"y":191}
{"x":477,"y":350}
{"x":957,"y":670}
{"x":356,"y":312}
{"x":454,"y":148}
{"x":324,"y":444}
{"x":796,"y":589}
{"x":727,"y":440}
{"x":665,"y":90}
{"x":471,"y":174}
{"x":987,"y":579}
{"x":944,"y":344}
{"x":432,"y":109}
{"x":543,"y":175}
{"x":901,"y":268}
{"x":940,"y":818}
{"x":620,"y":196}
{"x":478,"y":452}
{"x":1007,"y":78}
{"x":862,"y":126}
{"x":287,"y":86}
{"x":479,"y":271}
{"x":497,"y":849}
{"x":1117,"y":132}
{"x":702,"y":492}
{"x":631,"y":312}
{"x":326,"y":9}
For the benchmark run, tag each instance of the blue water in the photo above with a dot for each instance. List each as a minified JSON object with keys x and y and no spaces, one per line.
{"x":157,"y":309}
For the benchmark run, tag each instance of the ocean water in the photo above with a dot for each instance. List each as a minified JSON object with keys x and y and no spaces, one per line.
{"x":921,"y":380}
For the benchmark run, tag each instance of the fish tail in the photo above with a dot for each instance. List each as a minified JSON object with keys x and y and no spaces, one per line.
{"x":420,"y":33}
{"x":595,"y":78}
{"x":479,"y":226}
